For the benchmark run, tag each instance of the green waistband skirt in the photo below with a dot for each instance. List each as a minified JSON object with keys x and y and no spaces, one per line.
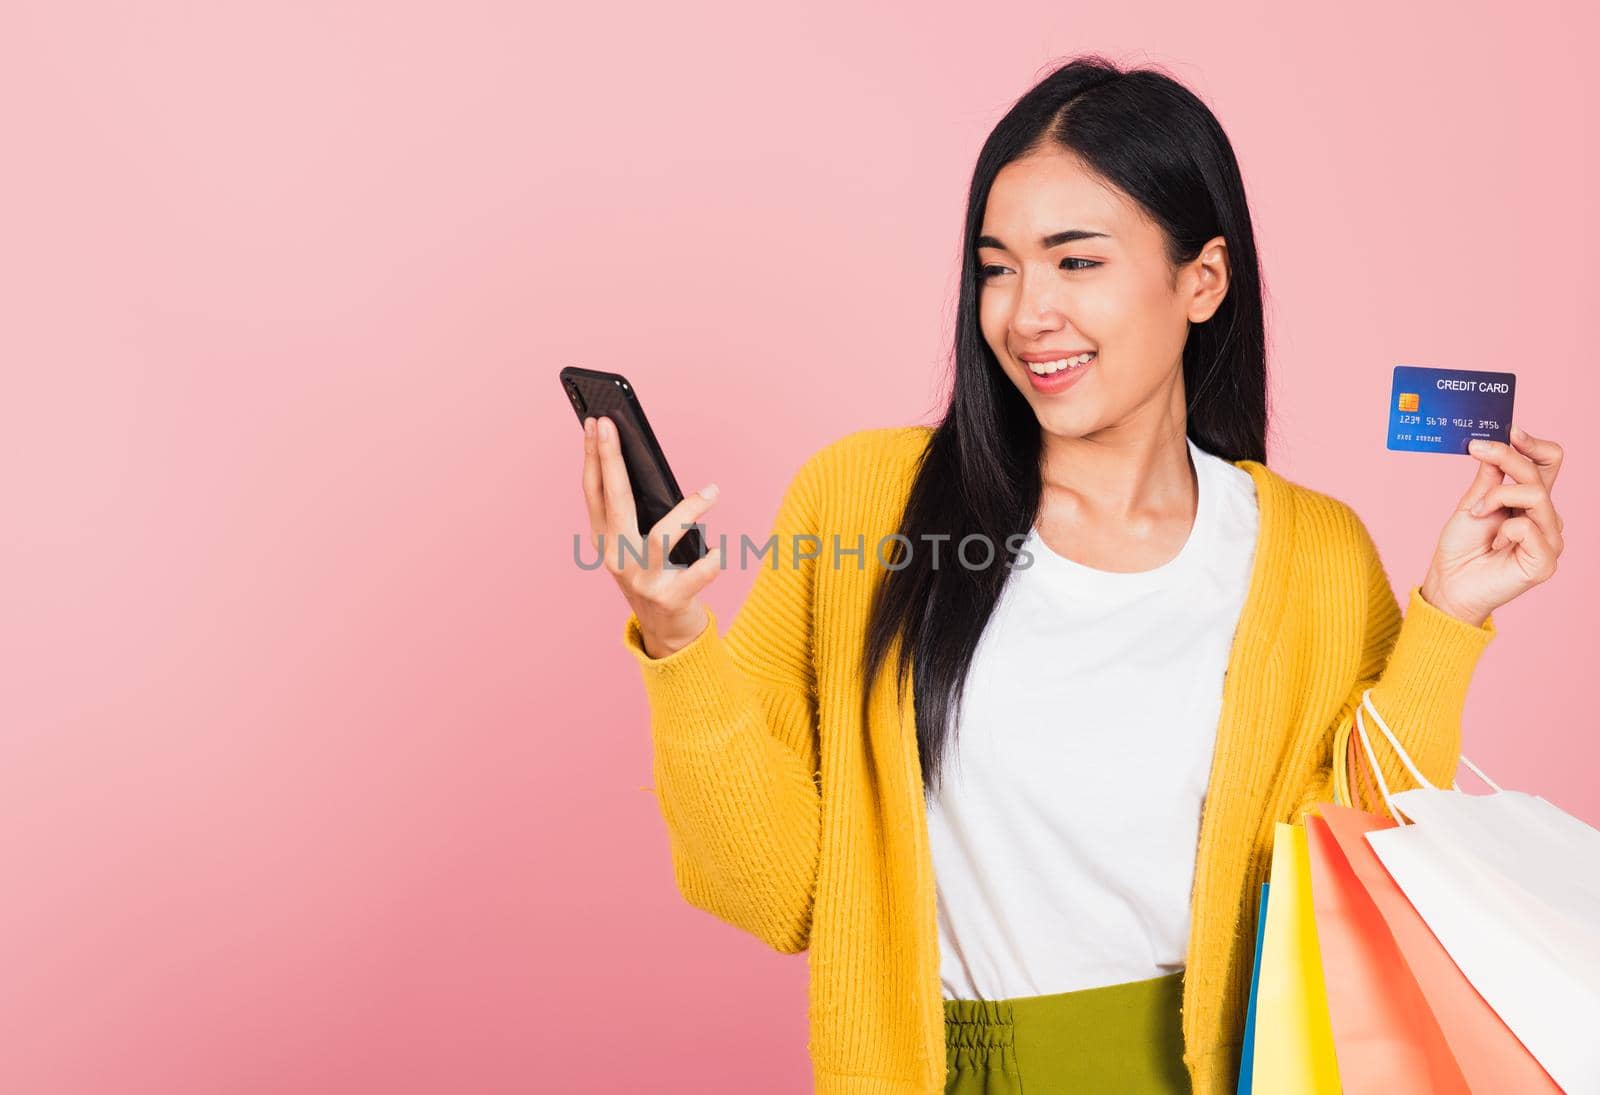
{"x":1117,"y":1038}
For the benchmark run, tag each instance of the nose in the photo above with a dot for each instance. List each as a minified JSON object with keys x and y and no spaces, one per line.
{"x":1040,"y":308}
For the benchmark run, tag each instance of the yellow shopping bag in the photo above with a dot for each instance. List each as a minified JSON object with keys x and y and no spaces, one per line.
{"x":1293,"y":1051}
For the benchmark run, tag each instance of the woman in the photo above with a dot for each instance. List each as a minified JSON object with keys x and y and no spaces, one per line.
{"x":1173,"y":638}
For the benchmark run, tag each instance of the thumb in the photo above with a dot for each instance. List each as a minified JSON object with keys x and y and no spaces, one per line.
{"x":1489,"y":475}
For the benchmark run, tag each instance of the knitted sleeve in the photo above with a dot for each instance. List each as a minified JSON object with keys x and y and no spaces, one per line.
{"x":733,"y":724}
{"x":1419,"y":667}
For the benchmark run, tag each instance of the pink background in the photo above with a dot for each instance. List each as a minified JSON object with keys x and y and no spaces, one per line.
{"x":323,"y":768}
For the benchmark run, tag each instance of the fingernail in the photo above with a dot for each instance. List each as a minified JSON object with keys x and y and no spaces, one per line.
{"x":607,"y":430}
{"x":1479,"y":445}
{"x":588,"y":427}
{"x":1477,"y":508}
{"x":1517,"y":432}
{"x":708,"y":491}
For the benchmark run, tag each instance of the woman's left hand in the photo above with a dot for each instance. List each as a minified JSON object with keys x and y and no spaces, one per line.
{"x":1511,"y":543}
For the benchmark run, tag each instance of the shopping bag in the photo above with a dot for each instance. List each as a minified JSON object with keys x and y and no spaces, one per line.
{"x":1504,"y":882}
{"x":1384,"y":1034}
{"x":1488,"y":1055}
{"x":1293,"y":1046}
{"x":1247,"y":1050}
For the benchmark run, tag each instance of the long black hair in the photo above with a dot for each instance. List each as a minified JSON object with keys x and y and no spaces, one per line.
{"x":980,"y":474}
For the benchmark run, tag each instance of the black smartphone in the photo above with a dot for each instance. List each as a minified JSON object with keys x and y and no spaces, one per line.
{"x":655,"y":490}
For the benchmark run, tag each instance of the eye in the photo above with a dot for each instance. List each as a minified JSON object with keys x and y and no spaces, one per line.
{"x":992,"y":270}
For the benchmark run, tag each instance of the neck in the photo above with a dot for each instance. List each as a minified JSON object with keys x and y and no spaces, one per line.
{"x":1122,"y":471}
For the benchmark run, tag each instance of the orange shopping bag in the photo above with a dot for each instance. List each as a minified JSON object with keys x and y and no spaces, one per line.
{"x":1384,"y":1033}
{"x":1487,"y":1056}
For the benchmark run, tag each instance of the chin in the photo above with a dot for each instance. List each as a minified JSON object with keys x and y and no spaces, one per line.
{"x":1064,"y":421}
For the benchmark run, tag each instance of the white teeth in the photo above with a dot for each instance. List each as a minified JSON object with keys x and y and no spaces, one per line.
{"x":1045,"y":368}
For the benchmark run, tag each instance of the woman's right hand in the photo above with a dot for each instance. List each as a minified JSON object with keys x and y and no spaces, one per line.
{"x":663,"y":596}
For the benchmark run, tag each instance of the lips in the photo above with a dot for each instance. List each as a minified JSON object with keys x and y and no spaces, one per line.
{"x":1053,"y":355}
{"x":1046,"y":366}
{"x":1060,"y":380}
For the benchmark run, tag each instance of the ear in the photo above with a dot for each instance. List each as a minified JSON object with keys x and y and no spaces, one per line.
{"x":1210,"y":271}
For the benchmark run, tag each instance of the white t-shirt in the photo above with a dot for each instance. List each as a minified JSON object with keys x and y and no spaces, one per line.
{"x":1065,"y":831}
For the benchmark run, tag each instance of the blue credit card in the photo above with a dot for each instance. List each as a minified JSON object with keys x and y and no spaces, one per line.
{"x":1441,"y":410}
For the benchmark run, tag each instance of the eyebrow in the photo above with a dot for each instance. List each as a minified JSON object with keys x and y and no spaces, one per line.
{"x":1054,"y":239}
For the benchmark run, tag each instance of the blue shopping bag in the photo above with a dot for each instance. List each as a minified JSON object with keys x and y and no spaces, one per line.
{"x":1248,"y":1051}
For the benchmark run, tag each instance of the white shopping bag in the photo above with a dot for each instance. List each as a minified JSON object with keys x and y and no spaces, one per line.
{"x":1510,"y":885}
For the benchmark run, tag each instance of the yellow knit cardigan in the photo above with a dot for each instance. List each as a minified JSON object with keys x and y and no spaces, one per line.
{"x":797,"y":816}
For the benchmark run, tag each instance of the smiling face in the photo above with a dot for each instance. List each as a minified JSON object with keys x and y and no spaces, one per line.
{"x":1069,"y":264}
